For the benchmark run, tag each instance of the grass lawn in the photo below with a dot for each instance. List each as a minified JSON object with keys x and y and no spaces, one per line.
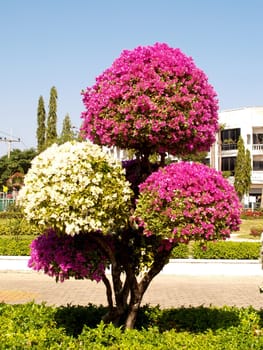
{"x":12,"y":228}
{"x":246,"y":226}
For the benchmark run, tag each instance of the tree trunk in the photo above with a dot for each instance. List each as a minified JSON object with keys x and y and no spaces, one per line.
{"x":137,"y":288}
{"x":126,"y":287}
{"x":135,"y":303}
{"x":132,"y":314}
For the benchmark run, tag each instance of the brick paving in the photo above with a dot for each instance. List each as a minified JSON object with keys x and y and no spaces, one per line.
{"x":165,"y":290}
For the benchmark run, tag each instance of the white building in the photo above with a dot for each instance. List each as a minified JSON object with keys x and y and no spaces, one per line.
{"x":247,"y":123}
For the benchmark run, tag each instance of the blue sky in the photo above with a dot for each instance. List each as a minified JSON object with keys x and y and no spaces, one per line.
{"x":67,"y":43}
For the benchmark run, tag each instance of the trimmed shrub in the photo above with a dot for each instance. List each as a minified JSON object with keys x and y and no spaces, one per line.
{"x":32,"y":326}
{"x":15,"y":246}
{"x":256,"y":231}
{"x":13,"y":223}
{"x":17,"y":227}
{"x":180,"y":252}
{"x":249,"y":214}
{"x":227,"y":250}
{"x":10,"y":215}
{"x":152,"y":98}
{"x":19,"y":245}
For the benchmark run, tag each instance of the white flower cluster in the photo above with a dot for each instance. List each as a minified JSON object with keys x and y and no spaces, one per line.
{"x":76,"y":187}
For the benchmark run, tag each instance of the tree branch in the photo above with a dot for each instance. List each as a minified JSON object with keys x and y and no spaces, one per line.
{"x":108,"y":291}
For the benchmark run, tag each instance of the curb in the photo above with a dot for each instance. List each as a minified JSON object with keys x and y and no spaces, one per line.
{"x":14,"y":263}
{"x":181,"y":267}
{"x":203,"y":267}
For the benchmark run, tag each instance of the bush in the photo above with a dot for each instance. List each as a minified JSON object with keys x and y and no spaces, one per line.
{"x":15,"y":246}
{"x":218,"y":250}
{"x":152,"y":98}
{"x":73,"y":318}
{"x":19,"y":245}
{"x":256,"y":231}
{"x":32,"y":326}
{"x":248,"y":214}
{"x":10,"y":214}
{"x":17,"y":227}
{"x":13,"y":223}
{"x":227,"y":250}
{"x":180,"y":252}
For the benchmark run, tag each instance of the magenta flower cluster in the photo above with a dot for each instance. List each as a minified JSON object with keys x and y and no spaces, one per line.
{"x":185,"y":201}
{"x":64,"y":256}
{"x":152,"y":99}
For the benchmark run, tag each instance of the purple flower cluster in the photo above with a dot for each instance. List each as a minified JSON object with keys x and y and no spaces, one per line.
{"x":152,"y":98}
{"x":185,"y":201}
{"x":64,"y":256}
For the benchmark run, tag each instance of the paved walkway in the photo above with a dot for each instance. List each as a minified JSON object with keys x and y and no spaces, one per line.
{"x":165,"y":290}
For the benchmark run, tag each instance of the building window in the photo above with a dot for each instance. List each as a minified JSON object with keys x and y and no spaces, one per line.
{"x":228,"y":164}
{"x":257,"y":165}
{"x":229,"y":138}
{"x":257,"y":139}
{"x":206,"y":161}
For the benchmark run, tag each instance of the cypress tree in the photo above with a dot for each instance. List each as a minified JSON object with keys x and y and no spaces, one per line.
{"x":51,"y":133}
{"x":41,"y":125}
{"x":242,"y":170}
{"x":248,"y":169}
{"x":67,"y":133}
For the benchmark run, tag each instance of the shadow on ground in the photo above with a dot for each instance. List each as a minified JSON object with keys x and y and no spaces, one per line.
{"x":192,"y":319}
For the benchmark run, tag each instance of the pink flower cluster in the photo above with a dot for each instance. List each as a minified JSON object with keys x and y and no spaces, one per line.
{"x":185,"y":201}
{"x":152,"y":98}
{"x":64,"y":256}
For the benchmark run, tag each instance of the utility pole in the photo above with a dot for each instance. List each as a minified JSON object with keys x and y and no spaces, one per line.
{"x":9,"y":143}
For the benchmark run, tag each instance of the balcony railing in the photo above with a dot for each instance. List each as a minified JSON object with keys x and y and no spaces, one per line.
{"x":229,"y":146}
{"x":257,"y":147}
{"x":257,"y":177}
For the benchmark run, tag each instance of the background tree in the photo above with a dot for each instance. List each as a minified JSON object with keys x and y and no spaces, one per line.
{"x":67,"y":133}
{"x":199,"y":157}
{"x":41,"y":125}
{"x":15,"y":181}
{"x":153,"y":100}
{"x":248,"y":170}
{"x":243,"y":169}
{"x":51,"y":128}
{"x":19,"y":162}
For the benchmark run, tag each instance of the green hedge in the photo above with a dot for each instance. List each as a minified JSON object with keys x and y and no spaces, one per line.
{"x":218,"y":250}
{"x":12,"y":222}
{"x":182,"y":251}
{"x":228,"y":250}
{"x":19,"y":245}
{"x":10,"y":214}
{"x":17,"y":227}
{"x":16,"y":246}
{"x":32,"y":326}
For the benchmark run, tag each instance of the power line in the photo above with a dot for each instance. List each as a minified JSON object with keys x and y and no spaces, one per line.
{"x":6,"y":134}
{"x":9,"y":141}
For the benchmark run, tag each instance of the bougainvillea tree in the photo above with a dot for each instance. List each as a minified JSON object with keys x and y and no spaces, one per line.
{"x":152,"y":98}
{"x":187,"y":201}
{"x":76,"y":187}
{"x":154,"y":101}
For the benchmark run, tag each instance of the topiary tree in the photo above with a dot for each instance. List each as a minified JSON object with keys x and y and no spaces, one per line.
{"x":153,"y":100}
{"x":76,"y":187}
